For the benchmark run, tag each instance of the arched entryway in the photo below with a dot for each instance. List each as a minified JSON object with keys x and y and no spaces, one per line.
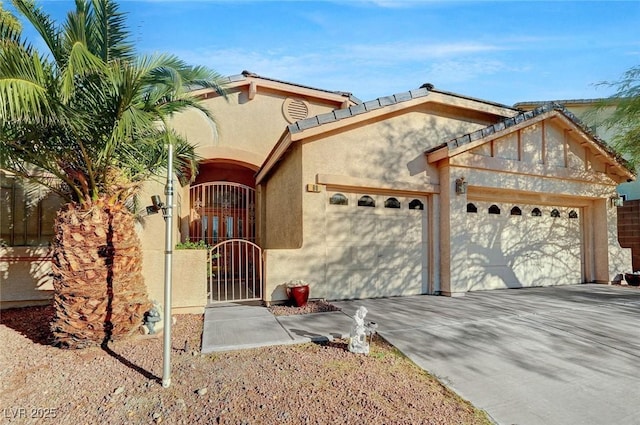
{"x":222,"y":202}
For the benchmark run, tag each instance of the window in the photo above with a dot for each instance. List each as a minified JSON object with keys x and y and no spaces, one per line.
{"x":516,"y":211}
{"x":338,"y":199}
{"x":392,"y":203}
{"x":26,"y":222}
{"x":493,"y":209}
{"x":573,"y":214}
{"x":416,"y":205}
{"x":229,"y":226}
{"x":471,"y":208}
{"x":536,"y":212}
{"x":555,"y":213}
{"x":366,"y":201}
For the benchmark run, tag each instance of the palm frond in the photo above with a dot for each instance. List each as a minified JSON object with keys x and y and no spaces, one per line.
{"x":43,"y":24}
{"x":110,"y":38}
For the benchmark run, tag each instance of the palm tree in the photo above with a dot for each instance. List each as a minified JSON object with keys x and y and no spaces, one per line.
{"x":88,"y":119}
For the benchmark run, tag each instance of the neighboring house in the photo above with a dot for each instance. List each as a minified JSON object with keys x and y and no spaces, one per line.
{"x":589,"y":112}
{"x":421,"y":192}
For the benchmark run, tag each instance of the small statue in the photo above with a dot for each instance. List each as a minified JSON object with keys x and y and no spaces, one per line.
{"x":152,"y":317}
{"x":358,"y":336}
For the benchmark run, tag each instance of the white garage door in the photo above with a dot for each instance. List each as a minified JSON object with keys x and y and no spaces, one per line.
{"x":514,"y":246}
{"x":375,"y":246}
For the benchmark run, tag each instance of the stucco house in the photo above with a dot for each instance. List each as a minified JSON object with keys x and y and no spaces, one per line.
{"x":421,"y":192}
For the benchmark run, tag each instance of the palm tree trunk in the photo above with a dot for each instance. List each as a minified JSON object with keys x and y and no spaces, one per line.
{"x":100,"y":293}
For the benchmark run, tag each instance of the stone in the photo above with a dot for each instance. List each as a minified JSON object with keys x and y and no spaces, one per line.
{"x":118,"y":390}
{"x":202,"y":391}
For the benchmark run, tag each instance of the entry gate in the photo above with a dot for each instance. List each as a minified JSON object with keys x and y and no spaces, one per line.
{"x":236,"y":271}
{"x":223,"y":217}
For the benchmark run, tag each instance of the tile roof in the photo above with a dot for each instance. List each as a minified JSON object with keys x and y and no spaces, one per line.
{"x":537,"y":103}
{"x":526,"y":116}
{"x":245,"y":74}
{"x":361,"y":108}
{"x":378,"y":103}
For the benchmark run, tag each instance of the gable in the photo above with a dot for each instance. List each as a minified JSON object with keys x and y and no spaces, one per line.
{"x":542,"y":141}
{"x":252,"y":116}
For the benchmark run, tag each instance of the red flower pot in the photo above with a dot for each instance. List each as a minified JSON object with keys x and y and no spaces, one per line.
{"x":299,"y":295}
{"x":632,"y":279}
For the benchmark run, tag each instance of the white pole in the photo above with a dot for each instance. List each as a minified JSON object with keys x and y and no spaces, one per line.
{"x":168,"y":255}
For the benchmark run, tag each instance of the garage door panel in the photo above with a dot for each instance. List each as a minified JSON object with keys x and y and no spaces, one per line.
{"x":380,"y":252}
{"x":404,"y":282}
{"x":363,"y":227}
{"x":340,"y":256}
{"x":402,"y":255}
{"x":366,"y":256}
{"x":364,"y":284}
{"x":338,"y":227}
{"x":520,"y":251}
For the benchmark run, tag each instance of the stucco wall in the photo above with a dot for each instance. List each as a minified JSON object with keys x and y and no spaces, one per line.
{"x":283,"y":208}
{"x":556,"y":172}
{"x":249,"y":128}
{"x":378,"y":157}
{"x":189,"y":266}
{"x":25,"y":276}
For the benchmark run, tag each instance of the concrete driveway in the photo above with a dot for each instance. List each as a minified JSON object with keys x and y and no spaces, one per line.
{"x":560,"y":355}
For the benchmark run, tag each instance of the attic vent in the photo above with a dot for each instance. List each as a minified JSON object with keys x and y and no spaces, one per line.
{"x":295,"y":109}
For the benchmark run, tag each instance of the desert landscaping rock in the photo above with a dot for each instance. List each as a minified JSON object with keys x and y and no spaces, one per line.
{"x":295,"y":384}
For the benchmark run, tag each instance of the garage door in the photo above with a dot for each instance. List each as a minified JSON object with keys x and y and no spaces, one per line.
{"x":375,"y":245}
{"x":514,"y":246}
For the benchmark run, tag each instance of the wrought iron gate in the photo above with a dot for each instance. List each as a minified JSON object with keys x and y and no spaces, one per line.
{"x":236,"y":271}
{"x":223,"y":217}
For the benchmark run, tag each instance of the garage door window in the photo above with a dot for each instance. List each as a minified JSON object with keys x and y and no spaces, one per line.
{"x":516,"y":211}
{"x":493,"y":209}
{"x":392,"y":203}
{"x":573,"y":214}
{"x":555,"y":213}
{"x":416,"y":205}
{"x":471,"y":208}
{"x":366,"y":201}
{"x":338,"y":199}
{"x":536,"y":212}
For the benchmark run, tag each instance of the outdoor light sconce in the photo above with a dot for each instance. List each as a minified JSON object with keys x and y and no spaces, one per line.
{"x":617,"y":201}
{"x":461,"y":186}
{"x":157,"y":206}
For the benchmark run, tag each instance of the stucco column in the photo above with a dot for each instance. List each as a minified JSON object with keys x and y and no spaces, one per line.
{"x":453,"y":246}
{"x":609,"y":258}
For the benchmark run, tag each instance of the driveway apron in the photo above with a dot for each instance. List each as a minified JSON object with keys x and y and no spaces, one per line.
{"x":556,"y":355}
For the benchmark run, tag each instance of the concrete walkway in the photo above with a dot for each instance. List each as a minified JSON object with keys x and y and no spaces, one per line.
{"x":560,"y":355}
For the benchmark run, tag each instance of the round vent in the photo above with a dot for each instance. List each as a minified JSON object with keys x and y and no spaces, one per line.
{"x":295,"y":109}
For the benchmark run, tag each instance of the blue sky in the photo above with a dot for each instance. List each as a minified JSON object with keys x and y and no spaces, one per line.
{"x":503,"y":51}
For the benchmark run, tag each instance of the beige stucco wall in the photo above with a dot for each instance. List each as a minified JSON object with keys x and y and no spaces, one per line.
{"x":380,"y":156}
{"x":283,"y":211}
{"x":540,"y":178}
{"x":544,"y":165}
{"x":25,"y":276}
{"x":189,"y":274}
{"x":244,"y":129}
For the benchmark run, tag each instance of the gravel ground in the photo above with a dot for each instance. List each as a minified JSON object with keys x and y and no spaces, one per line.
{"x":299,"y":384}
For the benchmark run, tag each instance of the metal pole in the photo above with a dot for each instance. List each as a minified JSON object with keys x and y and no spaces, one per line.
{"x":168,"y":256}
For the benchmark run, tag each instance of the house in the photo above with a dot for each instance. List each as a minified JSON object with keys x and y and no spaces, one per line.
{"x":421,"y":192}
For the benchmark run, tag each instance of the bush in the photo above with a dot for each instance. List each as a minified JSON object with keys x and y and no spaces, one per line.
{"x":192,"y":245}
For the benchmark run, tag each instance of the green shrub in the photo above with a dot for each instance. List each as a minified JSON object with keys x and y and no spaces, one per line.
{"x":192,"y":245}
